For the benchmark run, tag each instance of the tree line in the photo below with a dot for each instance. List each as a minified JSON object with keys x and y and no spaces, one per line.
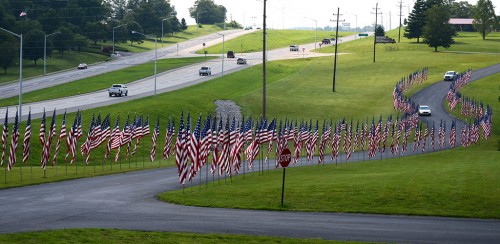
{"x":429,"y":20}
{"x":73,"y":24}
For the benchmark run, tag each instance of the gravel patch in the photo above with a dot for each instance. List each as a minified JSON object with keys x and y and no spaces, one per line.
{"x":227,"y":108}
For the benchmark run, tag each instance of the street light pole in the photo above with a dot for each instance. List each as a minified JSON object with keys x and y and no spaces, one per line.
{"x":222,"y":53}
{"x":162,"y":29}
{"x":20,"y":71}
{"x":45,"y":50}
{"x":315,"y":31}
{"x":156,"y":55}
{"x":114,"y":36}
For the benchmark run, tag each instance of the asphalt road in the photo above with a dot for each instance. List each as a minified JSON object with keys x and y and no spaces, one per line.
{"x":127,"y":201}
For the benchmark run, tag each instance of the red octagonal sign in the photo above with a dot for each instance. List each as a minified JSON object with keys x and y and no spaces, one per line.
{"x":285,"y":157}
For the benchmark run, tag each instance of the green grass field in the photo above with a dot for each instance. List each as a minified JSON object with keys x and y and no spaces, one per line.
{"x":132,"y":237}
{"x":252,"y":42}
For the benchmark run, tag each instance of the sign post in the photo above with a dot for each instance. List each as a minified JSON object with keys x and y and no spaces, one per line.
{"x":284,"y":160}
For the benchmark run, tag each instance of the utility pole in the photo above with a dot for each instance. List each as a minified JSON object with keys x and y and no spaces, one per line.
{"x":400,"y":15}
{"x":375,"y":31}
{"x":336,"y":42}
{"x":264,"y":48}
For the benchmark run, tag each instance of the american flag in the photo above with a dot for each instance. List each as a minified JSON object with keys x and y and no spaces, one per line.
{"x":453,"y":134}
{"x":105,"y":131}
{"x":48,"y":141}
{"x":145,"y":127}
{"x":486,"y":123}
{"x":114,"y":140}
{"x":179,"y":151}
{"x":27,"y":138}
{"x":154,"y":137}
{"x":85,"y":148}
{"x":5,"y":134}
{"x":322,"y":144}
{"x":355,"y":141}
{"x":13,"y":144}
{"x":131,"y":131}
{"x":96,"y":134}
{"x":42,"y":132}
{"x":138,"y":133}
{"x":254,"y":148}
{"x":215,"y":145}
{"x":372,"y":150}
{"x":348,"y":141}
{"x":424,"y":137}
{"x":224,"y":157}
{"x":168,"y":139}
{"x":124,"y":138}
{"x":406,"y":133}
{"x":416,"y":138}
{"x":398,"y":125}
{"x":441,"y":134}
{"x":71,"y":139}
{"x":206,"y":140}
{"x":271,"y":137}
{"x":432,"y":135}
{"x":194,"y":150}
{"x":62,"y":135}
{"x":465,"y":135}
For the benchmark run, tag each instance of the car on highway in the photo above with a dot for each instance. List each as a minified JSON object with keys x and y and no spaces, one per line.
{"x":241,"y":61}
{"x":230,"y":54}
{"x":424,"y":110}
{"x":82,"y":66}
{"x":294,"y":48}
{"x":450,"y":75}
{"x":326,"y":41}
{"x":205,"y":71}
{"x":118,"y":90}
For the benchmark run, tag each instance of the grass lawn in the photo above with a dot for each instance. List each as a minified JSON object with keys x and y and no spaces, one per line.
{"x":57,"y":62}
{"x":103,"y":81}
{"x":252,"y":42}
{"x":128,"y":236}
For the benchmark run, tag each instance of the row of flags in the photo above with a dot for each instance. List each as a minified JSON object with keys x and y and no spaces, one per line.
{"x":224,"y":144}
{"x":454,"y":95}
{"x":401,"y":102}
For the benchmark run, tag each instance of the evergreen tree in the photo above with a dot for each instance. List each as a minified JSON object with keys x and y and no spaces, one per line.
{"x":9,"y":48}
{"x":416,"y":21}
{"x":438,"y":32}
{"x":379,"y":31}
{"x":485,"y":20}
{"x":183,"y":24}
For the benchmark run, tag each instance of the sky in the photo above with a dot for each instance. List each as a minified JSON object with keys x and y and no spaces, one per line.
{"x":284,"y":14}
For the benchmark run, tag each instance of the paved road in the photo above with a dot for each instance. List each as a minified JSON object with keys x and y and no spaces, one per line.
{"x":165,"y":82}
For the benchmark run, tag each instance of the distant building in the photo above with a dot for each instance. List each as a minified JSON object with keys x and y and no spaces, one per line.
{"x":462,"y":24}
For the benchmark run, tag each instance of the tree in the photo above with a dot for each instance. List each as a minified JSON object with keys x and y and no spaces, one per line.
{"x":133,"y":26}
{"x":95,"y":31}
{"x":9,"y":48}
{"x":438,"y":32}
{"x":207,"y":12}
{"x":33,"y":45}
{"x":79,"y":41}
{"x":461,"y":9}
{"x":379,"y":31}
{"x":416,"y":21}
{"x":183,"y":24}
{"x":63,"y":41}
{"x":485,"y":20}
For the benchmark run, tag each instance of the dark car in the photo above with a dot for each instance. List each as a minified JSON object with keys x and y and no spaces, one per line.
{"x":230,"y":54}
{"x":326,"y":41}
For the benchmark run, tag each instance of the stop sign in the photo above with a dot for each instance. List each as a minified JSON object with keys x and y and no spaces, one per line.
{"x":285,"y":157}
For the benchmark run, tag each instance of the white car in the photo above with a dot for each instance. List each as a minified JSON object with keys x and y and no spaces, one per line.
{"x":205,"y":71}
{"x":424,"y":110}
{"x":82,"y":66}
{"x":294,"y":48}
{"x":450,"y":75}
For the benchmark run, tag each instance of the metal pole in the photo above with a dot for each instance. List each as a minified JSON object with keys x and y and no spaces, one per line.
{"x":161,"y":38}
{"x":45,"y":50}
{"x":374,"y":32}
{"x":156,"y":57}
{"x":264,"y":62}
{"x":223,"y":55}
{"x":44,"y":54}
{"x":21,"y":79}
{"x":315,"y":34}
{"x":336,"y":42}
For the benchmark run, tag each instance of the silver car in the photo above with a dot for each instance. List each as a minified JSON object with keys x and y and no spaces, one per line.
{"x":424,"y":110}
